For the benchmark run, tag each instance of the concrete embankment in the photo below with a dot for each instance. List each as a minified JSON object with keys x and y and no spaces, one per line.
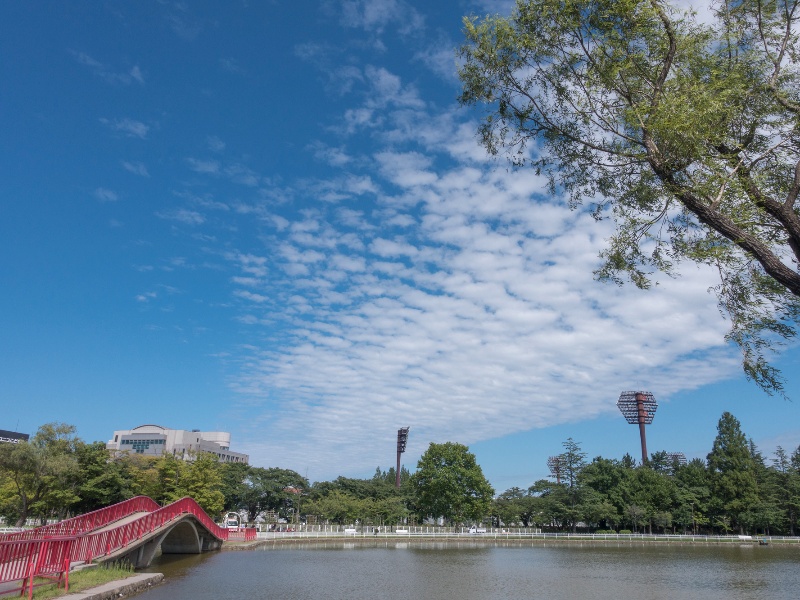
{"x":122,"y":588}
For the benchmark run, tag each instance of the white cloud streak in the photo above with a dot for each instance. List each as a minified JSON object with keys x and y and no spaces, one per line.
{"x":128,"y":127}
{"x":480,"y":321}
{"x":420,"y":284}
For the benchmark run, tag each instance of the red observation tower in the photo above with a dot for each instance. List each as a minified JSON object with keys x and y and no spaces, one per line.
{"x":638,"y":408}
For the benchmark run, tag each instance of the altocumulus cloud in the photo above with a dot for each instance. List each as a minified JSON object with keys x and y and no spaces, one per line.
{"x":474,"y":324}
{"x":442,"y":292}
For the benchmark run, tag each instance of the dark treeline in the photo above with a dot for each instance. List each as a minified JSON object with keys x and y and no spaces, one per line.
{"x":735,"y":489}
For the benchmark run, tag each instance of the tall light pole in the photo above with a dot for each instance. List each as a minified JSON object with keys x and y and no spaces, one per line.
{"x":638,"y":408}
{"x":402,"y":438}
{"x":554,"y":464}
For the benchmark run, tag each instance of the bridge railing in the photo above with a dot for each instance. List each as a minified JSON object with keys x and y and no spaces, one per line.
{"x":24,"y":561}
{"x":242,"y":534}
{"x":87,"y":522}
{"x":102,"y":543}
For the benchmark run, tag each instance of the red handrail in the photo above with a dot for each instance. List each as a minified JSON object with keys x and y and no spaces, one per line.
{"x":87,"y":522}
{"x":246,"y":534}
{"x":23,"y":559}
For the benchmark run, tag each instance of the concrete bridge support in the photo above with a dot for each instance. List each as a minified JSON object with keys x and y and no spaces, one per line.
{"x":182,"y":538}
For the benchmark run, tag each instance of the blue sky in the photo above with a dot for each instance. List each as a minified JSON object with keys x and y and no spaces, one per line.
{"x":274,"y":219}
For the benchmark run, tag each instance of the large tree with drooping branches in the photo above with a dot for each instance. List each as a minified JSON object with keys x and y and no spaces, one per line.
{"x":684,"y":132}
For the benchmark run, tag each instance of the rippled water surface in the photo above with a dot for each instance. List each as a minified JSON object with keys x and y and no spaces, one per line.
{"x":451,"y":571}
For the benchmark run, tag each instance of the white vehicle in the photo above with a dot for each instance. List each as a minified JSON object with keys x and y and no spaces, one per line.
{"x":475,"y":529}
{"x":233,"y":521}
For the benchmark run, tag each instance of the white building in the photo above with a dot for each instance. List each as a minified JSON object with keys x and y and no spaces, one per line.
{"x":155,"y":440}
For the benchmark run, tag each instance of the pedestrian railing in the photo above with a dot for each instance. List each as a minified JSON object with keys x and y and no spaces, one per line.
{"x":87,"y":522}
{"x":102,"y":543}
{"x":242,"y":534}
{"x":31,"y":563}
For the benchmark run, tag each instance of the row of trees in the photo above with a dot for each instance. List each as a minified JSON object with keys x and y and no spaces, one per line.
{"x":56,"y":474}
{"x":734,"y":489}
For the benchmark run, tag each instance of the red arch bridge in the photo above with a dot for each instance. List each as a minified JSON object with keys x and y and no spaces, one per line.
{"x":133,"y":530}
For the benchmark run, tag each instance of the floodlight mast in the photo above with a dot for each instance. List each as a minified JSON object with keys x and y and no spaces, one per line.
{"x":554,"y":464}
{"x":638,"y":408}
{"x":677,"y":457}
{"x":402,"y":438}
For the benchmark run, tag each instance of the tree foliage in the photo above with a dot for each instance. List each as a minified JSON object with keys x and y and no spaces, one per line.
{"x":735,"y":488}
{"x":449,"y":483}
{"x":685,"y":132}
{"x":41,"y":474}
{"x":732,"y":472}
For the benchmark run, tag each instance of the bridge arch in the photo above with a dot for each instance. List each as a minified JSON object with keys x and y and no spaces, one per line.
{"x":186,"y":536}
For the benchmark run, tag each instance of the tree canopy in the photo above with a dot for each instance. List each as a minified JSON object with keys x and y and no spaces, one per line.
{"x":685,"y":132}
{"x":56,"y":474}
{"x":449,"y":483}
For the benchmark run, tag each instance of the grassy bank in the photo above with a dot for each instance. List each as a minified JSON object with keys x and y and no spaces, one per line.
{"x":85,"y":579}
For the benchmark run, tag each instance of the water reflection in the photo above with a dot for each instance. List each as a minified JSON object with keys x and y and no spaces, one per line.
{"x":469,"y":570}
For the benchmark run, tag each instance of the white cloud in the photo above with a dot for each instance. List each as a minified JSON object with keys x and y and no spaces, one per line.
{"x":423,"y":284}
{"x":106,"y":195}
{"x":203,"y":166}
{"x":134,"y":74}
{"x":231,"y":65}
{"x":215,"y":144}
{"x":129,"y":127}
{"x":336,"y":157}
{"x":252,"y":297}
{"x":441,"y":60}
{"x":137,"y":168}
{"x":183,"y":215}
{"x":388,"y":89}
{"x":146,"y":297}
{"x":483,"y":323}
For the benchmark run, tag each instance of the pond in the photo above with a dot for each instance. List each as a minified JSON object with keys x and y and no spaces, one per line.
{"x":483,"y":570}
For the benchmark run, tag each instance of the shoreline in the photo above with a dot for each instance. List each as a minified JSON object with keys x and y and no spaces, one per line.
{"x":121,"y":588}
{"x":512,"y":540}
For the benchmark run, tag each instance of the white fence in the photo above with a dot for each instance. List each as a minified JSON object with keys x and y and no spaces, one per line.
{"x":345,"y":532}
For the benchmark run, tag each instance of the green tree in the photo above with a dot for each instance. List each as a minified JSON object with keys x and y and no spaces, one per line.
{"x":610,"y":479}
{"x":275,"y":489}
{"x":336,"y":507}
{"x":571,"y":462}
{"x":234,"y":485}
{"x":654,"y":494}
{"x":551,"y":504}
{"x":449,"y":483}
{"x":170,"y":473}
{"x":101,"y":482}
{"x":765,"y":514}
{"x":693,"y":494}
{"x":684,"y":132}
{"x":203,"y":482}
{"x":793,"y":490}
{"x":142,"y":474}
{"x":732,"y":475}
{"x":41,"y":475}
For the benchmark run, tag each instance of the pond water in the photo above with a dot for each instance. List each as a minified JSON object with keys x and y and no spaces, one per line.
{"x":466,"y":571}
